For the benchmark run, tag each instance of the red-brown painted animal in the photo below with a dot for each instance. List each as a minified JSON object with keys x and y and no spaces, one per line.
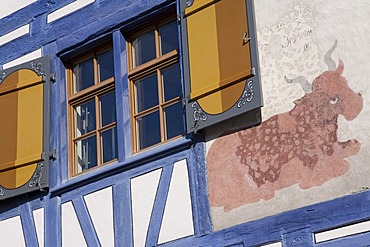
{"x":296,"y":147}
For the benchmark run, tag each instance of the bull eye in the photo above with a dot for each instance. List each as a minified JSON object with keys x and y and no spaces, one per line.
{"x":334,"y":100}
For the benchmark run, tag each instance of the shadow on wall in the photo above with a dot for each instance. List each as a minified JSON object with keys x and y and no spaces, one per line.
{"x":299,"y":146}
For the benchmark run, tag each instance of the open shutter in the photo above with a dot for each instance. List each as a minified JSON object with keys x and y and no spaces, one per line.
{"x":220,"y":60}
{"x":24,"y":108}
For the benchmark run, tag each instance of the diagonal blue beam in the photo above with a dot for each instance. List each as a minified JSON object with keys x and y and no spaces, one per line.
{"x":86,"y":223}
{"x":159,"y":206}
{"x":28,"y":225}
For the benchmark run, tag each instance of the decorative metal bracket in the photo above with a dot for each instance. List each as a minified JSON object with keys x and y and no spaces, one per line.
{"x":198,"y":113}
{"x":36,"y":178}
{"x":247,"y":96}
{"x":38,"y":67}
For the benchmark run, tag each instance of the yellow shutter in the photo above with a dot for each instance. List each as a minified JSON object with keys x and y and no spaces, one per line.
{"x":218,"y":44}
{"x":22,"y":128}
{"x":21,"y":96}
{"x":218,"y":53}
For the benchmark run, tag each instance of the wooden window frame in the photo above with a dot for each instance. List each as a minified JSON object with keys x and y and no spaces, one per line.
{"x":154,"y":66}
{"x":94,"y":93}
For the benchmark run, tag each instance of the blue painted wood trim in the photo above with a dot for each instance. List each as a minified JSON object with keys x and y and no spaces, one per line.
{"x":122,"y":96}
{"x":28,"y":225}
{"x":138,"y":160}
{"x":59,"y":116}
{"x":53,"y":222}
{"x":159,"y":206}
{"x":86,"y":223}
{"x":122,"y":214}
{"x":85,"y":26}
{"x":118,"y":177}
{"x":298,"y":238}
{"x":56,"y":119}
{"x":125,"y":16}
{"x":199,"y":188}
{"x":319,"y":217}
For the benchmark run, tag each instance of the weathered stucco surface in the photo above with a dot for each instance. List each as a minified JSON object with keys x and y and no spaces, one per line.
{"x":293,"y":37}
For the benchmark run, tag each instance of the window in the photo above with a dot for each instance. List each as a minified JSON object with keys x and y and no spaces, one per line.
{"x":92,"y":110}
{"x":155,"y":85}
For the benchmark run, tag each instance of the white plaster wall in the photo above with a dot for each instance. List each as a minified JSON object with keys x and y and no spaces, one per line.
{"x":28,"y":57}
{"x":273,"y":245}
{"x":100,"y":206}
{"x":178,"y":206}
{"x":143,"y":192}
{"x":71,"y":230}
{"x":9,"y":7}
{"x":11,"y":233}
{"x":38,"y":216}
{"x":293,"y":37}
{"x":23,"y":30}
{"x":342,"y":232}
{"x":66,"y":10}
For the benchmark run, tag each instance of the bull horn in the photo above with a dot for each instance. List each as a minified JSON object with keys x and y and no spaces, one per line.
{"x":340,"y":68}
{"x":306,"y":86}
{"x":328,"y":59}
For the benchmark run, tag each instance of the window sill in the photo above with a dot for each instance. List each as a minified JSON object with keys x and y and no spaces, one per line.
{"x":128,"y":164}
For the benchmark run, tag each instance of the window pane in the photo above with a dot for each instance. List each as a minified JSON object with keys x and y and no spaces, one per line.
{"x":109,"y":144}
{"x":148,"y":130}
{"x":106,"y":66}
{"x":169,"y":38}
{"x":85,"y":118}
{"x":108,"y":108}
{"x":171,"y":82}
{"x":146,"y":93}
{"x":86,"y":154}
{"x":174,"y":120}
{"x":143,"y":48}
{"x":83,"y":75}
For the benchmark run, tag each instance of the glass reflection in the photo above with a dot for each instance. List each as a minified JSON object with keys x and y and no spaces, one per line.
{"x":174,"y":120}
{"x":109,"y":145}
{"x":143,"y":48}
{"x":168,"y":37}
{"x":106,"y":66}
{"x":146,"y":93}
{"x":83,"y":75}
{"x":148,"y":130}
{"x":108,"y":108}
{"x":171,"y":82}
{"x":86,"y":154}
{"x":85,"y":118}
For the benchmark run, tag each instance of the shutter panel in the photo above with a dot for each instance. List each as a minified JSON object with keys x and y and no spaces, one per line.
{"x":24,"y":107}
{"x":220,"y":60}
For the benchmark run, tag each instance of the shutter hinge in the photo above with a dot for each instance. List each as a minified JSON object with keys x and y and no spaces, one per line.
{"x":253,"y":71}
{"x":53,"y":155}
{"x":53,"y":78}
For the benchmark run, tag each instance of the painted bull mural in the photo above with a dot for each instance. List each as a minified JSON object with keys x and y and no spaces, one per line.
{"x":296,"y":147}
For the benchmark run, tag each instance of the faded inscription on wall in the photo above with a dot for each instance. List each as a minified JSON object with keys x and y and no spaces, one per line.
{"x":287,"y":48}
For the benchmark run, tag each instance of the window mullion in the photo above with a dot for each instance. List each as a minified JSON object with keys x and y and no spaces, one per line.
{"x":97,"y":131}
{"x":161,"y":111}
{"x":157,"y":43}
{"x":133,"y":113}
